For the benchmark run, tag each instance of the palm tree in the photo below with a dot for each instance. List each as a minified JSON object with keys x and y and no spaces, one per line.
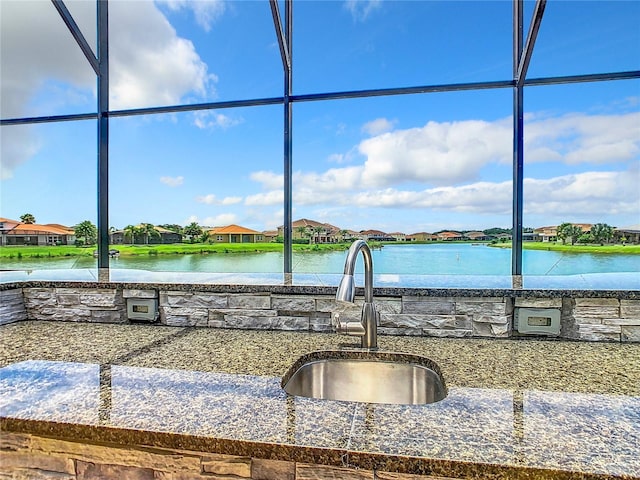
{"x":302,"y":231}
{"x":131,"y":231}
{"x":563,"y":232}
{"x":602,"y":233}
{"x":574,"y":233}
{"x":343,"y":233}
{"x":149,"y":231}
{"x":28,"y":218}
{"x":87,"y":230}
{"x":193,"y":230}
{"x":316,"y":231}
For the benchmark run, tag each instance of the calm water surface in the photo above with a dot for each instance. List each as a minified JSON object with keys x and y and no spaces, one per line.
{"x":437,"y":259}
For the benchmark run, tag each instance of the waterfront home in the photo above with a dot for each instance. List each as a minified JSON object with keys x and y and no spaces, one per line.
{"x":478,"y":236}
{"x":631,"y":234}
{"x":547,"y":234}
{"x":376,"y":236}
{"x":13,"y":232}
{"x":399,"y":236}
{"x":316,"y":231}
{"x":421,"y":237}
{"x":449,"y":236}
{"x":164,"y":236}
{"x":270,"y":235}
{"x":234,"y":234}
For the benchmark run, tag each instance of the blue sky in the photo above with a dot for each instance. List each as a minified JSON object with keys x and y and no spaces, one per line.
{"x":403,"y":163}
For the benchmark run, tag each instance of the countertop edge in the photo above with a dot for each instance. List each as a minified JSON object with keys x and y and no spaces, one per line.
{"x":122,"y":437}
{"x":327,"y":290}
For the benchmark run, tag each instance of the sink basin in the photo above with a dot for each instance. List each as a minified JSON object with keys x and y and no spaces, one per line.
{"x":362,"y":376}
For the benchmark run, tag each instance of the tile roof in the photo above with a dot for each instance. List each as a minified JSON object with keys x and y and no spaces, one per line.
{"x":233,"y":229}
{"x":36,"y":229}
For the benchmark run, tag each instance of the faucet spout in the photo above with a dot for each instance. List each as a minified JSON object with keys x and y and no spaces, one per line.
{"x":368,"y":326}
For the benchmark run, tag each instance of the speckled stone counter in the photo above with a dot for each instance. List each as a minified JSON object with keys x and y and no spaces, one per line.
{"x":515,"y":408}
{"x":317,"y":286}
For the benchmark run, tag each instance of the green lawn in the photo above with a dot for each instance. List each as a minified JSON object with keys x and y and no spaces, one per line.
{"x":170,"y":249}
{"x":559,"y":247}
{"x":200,"y":248}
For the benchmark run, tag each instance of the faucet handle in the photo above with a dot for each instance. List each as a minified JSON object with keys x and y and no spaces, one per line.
{"x":350,"y":328}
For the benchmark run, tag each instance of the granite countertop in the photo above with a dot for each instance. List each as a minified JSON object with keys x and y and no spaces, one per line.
{"x":514,"y":409}
{"x":544,"y":287}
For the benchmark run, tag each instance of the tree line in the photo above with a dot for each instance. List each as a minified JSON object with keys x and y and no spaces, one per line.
{"x":600,"y":233}
{"x":87,"y":233}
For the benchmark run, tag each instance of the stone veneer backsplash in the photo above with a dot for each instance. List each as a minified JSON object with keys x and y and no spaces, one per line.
{"x":588,"y":318}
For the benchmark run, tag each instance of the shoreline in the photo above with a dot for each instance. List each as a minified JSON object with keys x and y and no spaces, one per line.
{"x":43,"y":252}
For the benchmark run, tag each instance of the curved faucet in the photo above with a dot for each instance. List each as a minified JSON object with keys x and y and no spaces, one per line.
{"x":367,"y":327}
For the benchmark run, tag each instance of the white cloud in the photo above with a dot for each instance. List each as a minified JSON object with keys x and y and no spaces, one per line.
{"x":231,"y":200}
{"x":599,"y":193}
{"x":216,"y":221}
{"x":454,"y":153}
{"x":269,"y":180}
{"x":378,"y":126}
{"x":206,"y":12}
{"x":17,"y":145}
{"x":361,"y":9}
{"x":581,"y":138}
{"x":263,"y":218}
{"x":438,"y":153}
{"x":172,"y":181}
{"x":596,"y":193}
{"x":211,"y":199}
{"x":274,"y":197}
{"x":211,"y":120}
{"x":162,"y":69}
{"x":481,"y":197}
{"x":221,"y":220}
{"x":36,"y":46}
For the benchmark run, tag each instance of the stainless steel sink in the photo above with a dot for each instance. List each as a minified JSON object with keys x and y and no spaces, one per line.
{"x":361,"y":376}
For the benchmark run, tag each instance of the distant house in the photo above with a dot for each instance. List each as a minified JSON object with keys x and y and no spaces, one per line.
{"x":449,"y":236}
{"x":547,"y":234}
{"x":531,"y":237}
{"x":550,"y":234}
{"x":315,"y":231}
{"x":421,"y":237}
{"x":631,"y":234}
{"x":376,"y":236}
{"x":18,"y":233}
{"x":504,"y":237}
{"x":6,"y":225}
{"x":398,"y":236}
{"x":477,"y":236}
{"x":235,"y":234}
{"x":168,"y":236}
{"x":585,"y":227}
{"x":164,"y":236}
{"x":270,"y":235}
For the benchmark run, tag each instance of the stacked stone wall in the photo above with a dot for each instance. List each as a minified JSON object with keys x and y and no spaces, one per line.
{"x":582,"y":318}
{"x":103,"y":305}
{"x":24,"y":456}
{"x":449,"y":317}
{"x":607,"y":319}
{"x":12,"y":306}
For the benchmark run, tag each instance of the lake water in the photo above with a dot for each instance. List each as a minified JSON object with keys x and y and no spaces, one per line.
{"x":435,"y":259}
